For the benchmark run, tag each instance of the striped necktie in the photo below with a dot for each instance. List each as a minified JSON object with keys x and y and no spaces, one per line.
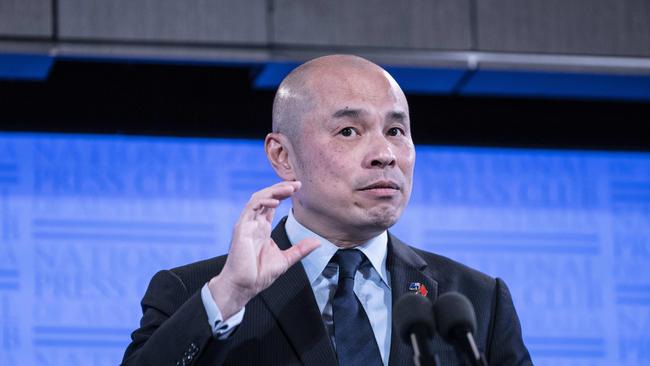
{"x":355,"y":340}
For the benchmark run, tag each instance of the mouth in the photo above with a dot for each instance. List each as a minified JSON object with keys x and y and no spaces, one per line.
{"x":381,"y":185}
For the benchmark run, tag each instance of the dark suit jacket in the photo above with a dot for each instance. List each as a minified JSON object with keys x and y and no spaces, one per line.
{"x":282,"y":325}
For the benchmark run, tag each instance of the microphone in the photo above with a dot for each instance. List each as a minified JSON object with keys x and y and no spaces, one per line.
{"x":456,"y":323}
{"x":413,"y":320}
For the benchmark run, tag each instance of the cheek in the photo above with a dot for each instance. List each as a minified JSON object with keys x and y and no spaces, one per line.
{"x":408,"y":161}
{"x":323,"y":168}
{"x":331,"y":161}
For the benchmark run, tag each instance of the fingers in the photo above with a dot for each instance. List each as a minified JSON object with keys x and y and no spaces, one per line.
{"x":266,"y":207}
{"x":300,"y":250}
{"x":277,"y":191}
{"x":265,"y":201}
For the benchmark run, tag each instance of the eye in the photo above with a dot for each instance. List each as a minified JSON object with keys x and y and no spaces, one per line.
{"x":348,"y":131}
{"x":395,"y":131}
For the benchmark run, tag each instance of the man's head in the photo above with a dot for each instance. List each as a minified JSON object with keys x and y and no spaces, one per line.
{"x":341,"y":126}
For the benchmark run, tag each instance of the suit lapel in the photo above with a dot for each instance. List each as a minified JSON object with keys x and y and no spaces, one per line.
{"x":405,"y":267}
{"x":291,"y":300}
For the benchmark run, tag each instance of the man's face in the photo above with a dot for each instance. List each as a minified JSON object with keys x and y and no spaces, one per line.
{"x":354,"y":154}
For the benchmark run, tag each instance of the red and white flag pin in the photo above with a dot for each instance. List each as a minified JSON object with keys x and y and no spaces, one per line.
{"x":418,"y":288}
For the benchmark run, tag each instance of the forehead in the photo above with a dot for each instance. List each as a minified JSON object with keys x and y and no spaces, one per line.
{"x":335,"y":88}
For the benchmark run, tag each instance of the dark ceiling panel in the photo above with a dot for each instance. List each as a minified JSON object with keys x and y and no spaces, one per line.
{"x":194,"y":21}
{"x":427,"y":24}
{"x":32,"y":18}
{"x":602,"y":27}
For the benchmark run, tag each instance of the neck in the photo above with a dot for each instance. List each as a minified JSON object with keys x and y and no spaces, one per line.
{"x":346,"y":244}
{"x":344,"y":237}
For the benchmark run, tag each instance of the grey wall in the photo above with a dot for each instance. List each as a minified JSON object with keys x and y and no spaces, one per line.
{"x":602,"y":27}
{"x":26,"y":18}
{"x":215,"y":21}
{"x":575,"y":27}
{"x":440,"y":24}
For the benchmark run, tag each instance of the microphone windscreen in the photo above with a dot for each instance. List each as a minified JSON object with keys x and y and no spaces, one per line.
{"x":454,"y":314}
{"x":413,"y":313}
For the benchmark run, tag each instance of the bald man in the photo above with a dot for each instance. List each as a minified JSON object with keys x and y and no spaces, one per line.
{"x":318,"y":289}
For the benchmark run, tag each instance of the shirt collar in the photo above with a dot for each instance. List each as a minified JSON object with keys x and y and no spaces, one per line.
{"x":374,"y":249}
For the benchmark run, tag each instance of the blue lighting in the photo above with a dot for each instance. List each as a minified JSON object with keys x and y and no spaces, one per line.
{"x":272,"y":74}
{"x":34,"y":67}
{"x":558,"y":85}
{"x":420,"y":80}
{"x":508,"y":83}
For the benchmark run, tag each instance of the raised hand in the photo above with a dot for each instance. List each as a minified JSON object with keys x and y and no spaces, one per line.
{"x":254,"y":260}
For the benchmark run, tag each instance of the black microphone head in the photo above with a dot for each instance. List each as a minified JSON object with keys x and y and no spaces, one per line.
{"x":413,"y":314}
{"x":454,"y":316}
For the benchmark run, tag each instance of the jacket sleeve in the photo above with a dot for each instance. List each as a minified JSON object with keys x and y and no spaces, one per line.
{"x":174,"y":327}
{"x":505,"y":343}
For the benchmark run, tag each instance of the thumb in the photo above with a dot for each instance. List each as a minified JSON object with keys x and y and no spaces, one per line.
{"x":300,"y":250}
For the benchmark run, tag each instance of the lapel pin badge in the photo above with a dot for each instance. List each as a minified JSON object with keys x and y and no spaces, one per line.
{"x":418,"y":288}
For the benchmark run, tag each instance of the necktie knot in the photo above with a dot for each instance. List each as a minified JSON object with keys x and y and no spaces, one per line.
{"x":349,"y":261}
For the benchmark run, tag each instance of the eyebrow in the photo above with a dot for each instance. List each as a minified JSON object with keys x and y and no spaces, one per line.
{"x":395,"y":115}
{"x":346,"y":112}
{"x":356,"y":113}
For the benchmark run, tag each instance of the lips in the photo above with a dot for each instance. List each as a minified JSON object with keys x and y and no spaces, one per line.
{"x":384,"y":184}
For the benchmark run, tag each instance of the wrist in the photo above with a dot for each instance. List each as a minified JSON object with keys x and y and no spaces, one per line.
{"x":229,"y":298}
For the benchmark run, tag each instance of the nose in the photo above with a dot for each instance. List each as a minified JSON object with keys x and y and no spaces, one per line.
{"x":380,"y":154}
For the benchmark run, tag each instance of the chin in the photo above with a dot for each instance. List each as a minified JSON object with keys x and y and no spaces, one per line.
{"x":384,"y":217}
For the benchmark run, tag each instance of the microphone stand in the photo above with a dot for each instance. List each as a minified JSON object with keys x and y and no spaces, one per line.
{"x":421,"y":353}
{"x":476,"y":357}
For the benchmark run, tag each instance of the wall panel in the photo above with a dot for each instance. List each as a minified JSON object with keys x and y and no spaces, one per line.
{"x":26,"y":18}
{"x":603,"y":27}
{"x":439,"y":24}
{"x":238,"y":21}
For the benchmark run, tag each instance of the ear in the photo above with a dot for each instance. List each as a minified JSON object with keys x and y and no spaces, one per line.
{"x":279,"y":151}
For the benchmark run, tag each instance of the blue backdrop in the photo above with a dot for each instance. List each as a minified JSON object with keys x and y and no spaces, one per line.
{"x":85,"y":221}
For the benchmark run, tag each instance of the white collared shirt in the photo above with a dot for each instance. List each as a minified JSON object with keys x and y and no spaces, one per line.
{"x":371,"y":283}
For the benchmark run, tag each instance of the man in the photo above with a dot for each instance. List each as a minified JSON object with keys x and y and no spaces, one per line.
{"x":319,"y":288}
